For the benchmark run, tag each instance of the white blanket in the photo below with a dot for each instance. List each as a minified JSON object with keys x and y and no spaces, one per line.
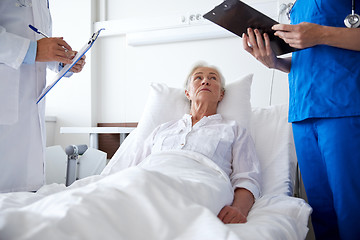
{"x":136,"y":203}
{"x":144,"y":203}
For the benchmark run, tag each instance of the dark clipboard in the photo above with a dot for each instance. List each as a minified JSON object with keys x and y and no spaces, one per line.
{"x":237,"y":17}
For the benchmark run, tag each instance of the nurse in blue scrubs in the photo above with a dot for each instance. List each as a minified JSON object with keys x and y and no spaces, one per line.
{"x":324,"y":108}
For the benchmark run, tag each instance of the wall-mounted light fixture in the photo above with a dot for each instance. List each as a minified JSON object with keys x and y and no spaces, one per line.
{"x":163,"y":29}
{"x":180,"y":34}
{"x":174,"y":28}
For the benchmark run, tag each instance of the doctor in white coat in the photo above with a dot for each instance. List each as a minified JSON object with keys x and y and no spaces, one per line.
{"x":23,"y":58}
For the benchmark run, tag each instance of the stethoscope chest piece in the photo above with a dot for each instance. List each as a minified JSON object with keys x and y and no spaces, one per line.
{"x":352,"y":20}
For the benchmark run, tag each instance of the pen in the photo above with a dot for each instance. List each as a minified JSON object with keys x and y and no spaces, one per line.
{"x":37,"y":31}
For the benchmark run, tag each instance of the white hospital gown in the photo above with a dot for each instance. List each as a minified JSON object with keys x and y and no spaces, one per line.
{"x":224,"y":142}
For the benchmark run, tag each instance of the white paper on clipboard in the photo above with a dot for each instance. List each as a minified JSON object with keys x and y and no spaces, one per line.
{"x":67,"y":67}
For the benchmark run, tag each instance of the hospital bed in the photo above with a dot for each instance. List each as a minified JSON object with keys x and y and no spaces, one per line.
{"x":103,"y":206}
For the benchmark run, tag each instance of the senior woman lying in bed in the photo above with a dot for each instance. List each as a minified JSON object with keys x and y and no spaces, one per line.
{"x":224,"y":142}
{"x":188,"y":174}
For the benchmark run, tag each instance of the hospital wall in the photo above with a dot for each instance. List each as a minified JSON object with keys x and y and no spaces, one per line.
{"x":114,"y":84}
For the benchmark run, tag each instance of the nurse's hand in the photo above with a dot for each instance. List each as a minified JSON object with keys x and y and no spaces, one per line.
{"x":78,"y":65}
{"x":259,"y":46}
{"x":253,"y":43}
{"x":53,"y":49}
{"x":302,"y":35}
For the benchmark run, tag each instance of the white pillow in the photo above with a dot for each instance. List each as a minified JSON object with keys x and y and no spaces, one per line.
{"x":167,"y":103}
{"x":236,"y":102}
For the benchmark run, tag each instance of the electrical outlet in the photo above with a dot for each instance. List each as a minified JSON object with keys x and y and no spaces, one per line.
{"x":192,"y":18}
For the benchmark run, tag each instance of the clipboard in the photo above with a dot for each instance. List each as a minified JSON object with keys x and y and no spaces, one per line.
{"x":237,"y":17}
{"x":67,"y":67}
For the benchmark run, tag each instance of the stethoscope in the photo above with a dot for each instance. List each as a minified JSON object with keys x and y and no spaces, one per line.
{"x":352,"y":20}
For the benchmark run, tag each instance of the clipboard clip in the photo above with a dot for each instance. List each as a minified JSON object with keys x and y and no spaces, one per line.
{"x":228,"y":4}
{"x":224,"y":6}
{"x":95,"y":36}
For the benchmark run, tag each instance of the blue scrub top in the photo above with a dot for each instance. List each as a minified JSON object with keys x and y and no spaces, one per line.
{"x":324,"y":81}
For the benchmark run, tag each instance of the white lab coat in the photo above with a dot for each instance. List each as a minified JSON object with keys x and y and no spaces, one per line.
{"x":22,"y":121}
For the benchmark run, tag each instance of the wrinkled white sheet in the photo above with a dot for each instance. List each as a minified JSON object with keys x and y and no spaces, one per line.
{"x":139,"y":203}
{"x":132,"y":204}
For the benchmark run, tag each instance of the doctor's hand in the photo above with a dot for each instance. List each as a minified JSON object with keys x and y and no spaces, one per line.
{"x":78,"y":65}
{"x":253,"y":43}
{"x":302,"y":35}
{"x":231,"y":214}
{"x":53,"y":49}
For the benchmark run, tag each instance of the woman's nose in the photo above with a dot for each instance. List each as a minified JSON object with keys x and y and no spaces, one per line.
{"x":205,"y":82}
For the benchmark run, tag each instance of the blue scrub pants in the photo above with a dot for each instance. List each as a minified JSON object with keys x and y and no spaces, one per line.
{"x":328,"y":152}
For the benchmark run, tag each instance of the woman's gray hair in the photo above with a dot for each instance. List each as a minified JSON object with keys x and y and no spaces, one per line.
{"x":200,"y":65}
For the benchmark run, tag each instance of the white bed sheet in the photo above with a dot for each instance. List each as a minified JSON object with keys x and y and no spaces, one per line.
{"x":140,"y":203}
{"x":132,"y":204}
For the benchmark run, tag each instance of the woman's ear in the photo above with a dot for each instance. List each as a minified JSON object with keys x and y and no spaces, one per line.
{"x":187,"y":94}
{"x":222,"y":95}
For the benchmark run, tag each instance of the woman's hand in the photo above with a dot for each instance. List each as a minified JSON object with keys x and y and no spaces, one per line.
{"x":239,"y":209}
{"x":230,"y":214}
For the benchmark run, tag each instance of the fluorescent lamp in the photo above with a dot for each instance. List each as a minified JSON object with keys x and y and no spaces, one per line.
{"x":179,"y":34}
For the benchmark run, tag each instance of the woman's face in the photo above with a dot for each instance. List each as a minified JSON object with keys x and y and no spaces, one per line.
{"x":205,"y":85}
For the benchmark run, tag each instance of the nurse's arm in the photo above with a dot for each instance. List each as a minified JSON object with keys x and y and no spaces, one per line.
{"x":304,"y":35}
